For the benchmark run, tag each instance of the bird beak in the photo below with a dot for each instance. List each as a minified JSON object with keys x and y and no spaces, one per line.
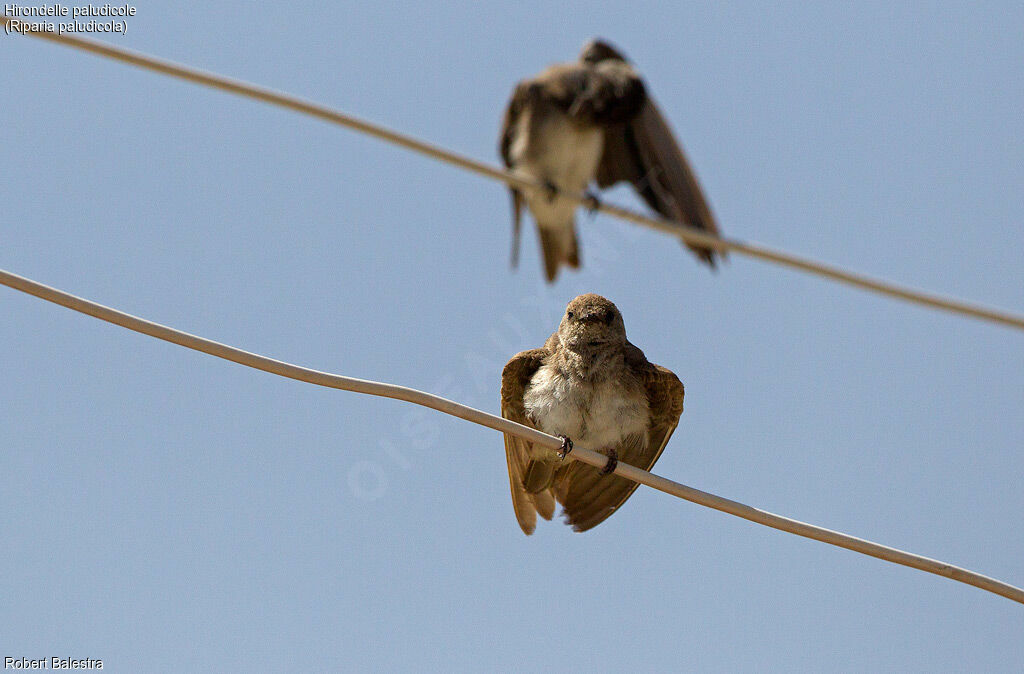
{"x":597,"y":317}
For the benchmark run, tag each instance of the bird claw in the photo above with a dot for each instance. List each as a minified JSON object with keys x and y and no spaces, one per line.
{"x":566,"y":447}
{"x":613,"y":462}
{"x":591,"y":202}
{"x":577,"y":104}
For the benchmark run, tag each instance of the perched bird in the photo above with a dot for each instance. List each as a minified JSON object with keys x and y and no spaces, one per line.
{"x":593,"y":120}
{"x":588,"y":384}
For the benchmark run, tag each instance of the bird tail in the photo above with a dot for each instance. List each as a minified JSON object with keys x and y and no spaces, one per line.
{"x":559,"y":246}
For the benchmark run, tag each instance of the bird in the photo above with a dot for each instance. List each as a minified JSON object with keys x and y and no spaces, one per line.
{"x":587,"y":385}
{"x":594,"y":121}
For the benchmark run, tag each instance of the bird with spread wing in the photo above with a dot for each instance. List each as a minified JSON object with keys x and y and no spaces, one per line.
{"x":594,"y":121}
{"x":589,"y":385}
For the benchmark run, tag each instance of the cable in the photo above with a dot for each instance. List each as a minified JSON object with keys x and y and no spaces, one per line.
{"x":684,"y":232}
{"x":505,"y":426}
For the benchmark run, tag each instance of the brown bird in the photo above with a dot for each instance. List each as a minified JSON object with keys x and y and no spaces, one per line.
{"x":589,"y":385}
{"x":593,"y":120}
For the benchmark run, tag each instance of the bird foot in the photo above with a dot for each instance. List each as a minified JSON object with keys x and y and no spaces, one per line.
{"x":613,"y":462}
{"x":577,"y":104}
{"x":550,"y":190}
{"x":566,"y":447}
{"x":591,"y":202}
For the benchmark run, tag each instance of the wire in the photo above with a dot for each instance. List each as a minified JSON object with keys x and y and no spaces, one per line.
{"x":682,"y":231}
{"x":506,"y":426}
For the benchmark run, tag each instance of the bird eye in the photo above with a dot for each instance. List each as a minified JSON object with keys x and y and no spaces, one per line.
{"x":570,"y":315}
{"x":609,"y":317}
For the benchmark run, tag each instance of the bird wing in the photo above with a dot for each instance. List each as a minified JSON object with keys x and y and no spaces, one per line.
{"x":645,"y":152}
{"x":514,"y":380}
{"x":587,"y":497}
{"x":509,"y":126}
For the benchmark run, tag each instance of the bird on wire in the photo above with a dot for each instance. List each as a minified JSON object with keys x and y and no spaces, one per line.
{"x":587,"y":384}
{"x":593,"y":121}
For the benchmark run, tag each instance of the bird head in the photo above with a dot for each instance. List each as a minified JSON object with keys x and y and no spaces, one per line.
{"x":598,"y":50}
{"x":591,"y":322}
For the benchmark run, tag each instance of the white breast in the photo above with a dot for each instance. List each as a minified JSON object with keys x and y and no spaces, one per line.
{"x":597,"y":416}
{"x":556,"y":150}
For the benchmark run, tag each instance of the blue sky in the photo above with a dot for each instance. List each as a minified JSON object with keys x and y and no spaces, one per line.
{"x":161,"y":509}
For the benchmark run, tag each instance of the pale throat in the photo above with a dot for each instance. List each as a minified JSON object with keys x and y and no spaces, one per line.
{"x":590,"y":364}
